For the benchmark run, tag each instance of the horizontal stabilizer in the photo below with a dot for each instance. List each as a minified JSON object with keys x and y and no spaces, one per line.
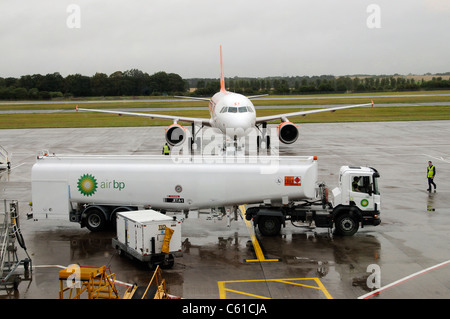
{"x":192,"y":98}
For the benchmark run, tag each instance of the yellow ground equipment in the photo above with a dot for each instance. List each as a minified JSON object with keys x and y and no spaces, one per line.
{"x":95,"y":281}
{"x":156,"y":289}
{"x":77,"y":280}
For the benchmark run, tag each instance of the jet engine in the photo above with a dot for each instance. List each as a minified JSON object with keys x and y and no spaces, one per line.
{"x":175,"y":134}
{"x":288,"y":132}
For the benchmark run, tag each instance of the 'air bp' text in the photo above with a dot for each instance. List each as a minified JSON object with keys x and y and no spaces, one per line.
{"x":117,"y":185}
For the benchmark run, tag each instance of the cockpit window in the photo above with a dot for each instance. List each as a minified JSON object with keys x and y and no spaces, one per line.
{"x":234,"y":109}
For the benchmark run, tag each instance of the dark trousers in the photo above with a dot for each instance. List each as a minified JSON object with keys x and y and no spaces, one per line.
{"x":431,"y":182}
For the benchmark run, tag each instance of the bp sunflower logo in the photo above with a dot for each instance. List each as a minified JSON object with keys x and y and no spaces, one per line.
{"x":87,"y":185}
{"x":364,"y":203}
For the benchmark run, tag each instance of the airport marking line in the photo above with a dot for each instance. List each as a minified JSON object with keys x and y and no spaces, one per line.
{"x":400,"y":281}
{"x":289,"y":281}
{"x":438,"y":158}
{"x":17,"y":166}
{"x":258,"y":251}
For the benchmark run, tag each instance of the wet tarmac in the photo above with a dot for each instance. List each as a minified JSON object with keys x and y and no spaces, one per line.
{"x":302,"y":263}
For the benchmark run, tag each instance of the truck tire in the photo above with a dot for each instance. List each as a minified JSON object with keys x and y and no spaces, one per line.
{"x":95,"y":219}
{"x":168,"y":262}
{"x":346,"y":225}
{"x":269,"y":225}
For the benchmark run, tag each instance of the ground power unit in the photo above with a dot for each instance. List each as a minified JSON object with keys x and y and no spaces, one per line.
{"x":149,"y":237}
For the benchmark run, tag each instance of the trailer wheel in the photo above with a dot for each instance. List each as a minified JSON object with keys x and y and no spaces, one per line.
{"x":269,"y":225}
{"x":95,"y":220}
{"x":346,"y":225}
{"x":168,"y":262}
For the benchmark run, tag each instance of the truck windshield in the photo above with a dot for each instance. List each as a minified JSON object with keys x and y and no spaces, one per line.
{"x":375,"y":185}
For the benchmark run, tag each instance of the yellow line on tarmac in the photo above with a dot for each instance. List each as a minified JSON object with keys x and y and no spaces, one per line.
{"x":289,"y":281}
{"x":258,"y":251}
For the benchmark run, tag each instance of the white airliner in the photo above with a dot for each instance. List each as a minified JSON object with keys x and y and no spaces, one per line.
{"x":233,"y":114}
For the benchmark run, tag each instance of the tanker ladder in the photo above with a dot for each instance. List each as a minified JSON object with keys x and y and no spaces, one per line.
{"x":9,"y":261}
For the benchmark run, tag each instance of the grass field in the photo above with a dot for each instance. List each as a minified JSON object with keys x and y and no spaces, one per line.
{"x":293,"y":100}
{"x":58,"y":120}
{"x":80,"y":119}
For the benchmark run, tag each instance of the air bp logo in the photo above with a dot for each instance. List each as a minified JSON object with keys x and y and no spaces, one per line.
{"x":87,"y":185}
{"x":364,"y":203}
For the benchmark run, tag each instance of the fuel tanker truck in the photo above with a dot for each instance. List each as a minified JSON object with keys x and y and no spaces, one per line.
{"x":91,"y":190}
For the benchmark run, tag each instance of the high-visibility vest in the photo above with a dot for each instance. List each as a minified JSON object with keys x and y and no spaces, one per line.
{"x":430,"y":171}
{"x":166,"y":149}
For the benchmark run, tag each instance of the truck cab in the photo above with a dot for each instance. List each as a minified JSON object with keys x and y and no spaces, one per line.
{"x":358,"y":186}
{"x":358,"y":196}
{"x":354,"y":203}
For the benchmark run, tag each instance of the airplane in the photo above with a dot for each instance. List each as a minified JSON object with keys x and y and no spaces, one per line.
{"x":233,"y":114}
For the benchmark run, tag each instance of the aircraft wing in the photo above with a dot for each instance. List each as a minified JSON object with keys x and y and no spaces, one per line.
{"x":256,"y":96}
{"x":206,"y":99}
{"x":284,"y":117}
{"x":204,"y":121}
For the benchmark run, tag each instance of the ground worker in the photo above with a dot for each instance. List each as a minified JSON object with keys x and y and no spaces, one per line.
{"x":166,"y":149}
{"x":431,"y":173}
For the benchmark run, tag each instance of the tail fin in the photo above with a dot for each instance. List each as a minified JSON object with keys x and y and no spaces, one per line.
{"x":222,"y":79}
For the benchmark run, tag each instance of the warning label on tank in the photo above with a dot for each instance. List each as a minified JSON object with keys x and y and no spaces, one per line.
{"x":292,"y":181}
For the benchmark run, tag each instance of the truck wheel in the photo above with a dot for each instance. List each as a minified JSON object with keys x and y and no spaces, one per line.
{"x":168,"y":262}
{"x":95,"y":220}
{"x":346,"y":225}
{"x":269,"y":225}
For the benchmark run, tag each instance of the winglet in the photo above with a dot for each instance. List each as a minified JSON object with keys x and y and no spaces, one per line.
{"x":222,"y":79}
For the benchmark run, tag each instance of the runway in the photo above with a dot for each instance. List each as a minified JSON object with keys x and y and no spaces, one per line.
{"x":204,"y":108}
{"x":405,"y":257}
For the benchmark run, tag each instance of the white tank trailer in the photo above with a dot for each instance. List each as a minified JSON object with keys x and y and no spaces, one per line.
{"x":91,"y":190}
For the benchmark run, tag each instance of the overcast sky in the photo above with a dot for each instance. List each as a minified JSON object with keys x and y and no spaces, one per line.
{"x":259,"y":37}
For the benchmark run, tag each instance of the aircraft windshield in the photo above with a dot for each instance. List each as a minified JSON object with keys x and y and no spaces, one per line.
{"x":234,"y":109}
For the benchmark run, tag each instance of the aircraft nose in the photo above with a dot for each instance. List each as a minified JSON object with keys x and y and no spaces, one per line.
{"x":239,"y":125}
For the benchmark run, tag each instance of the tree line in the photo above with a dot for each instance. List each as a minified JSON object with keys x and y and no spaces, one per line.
{"x":137,"y":83}
{"x":53,"y":85}
{"x":319,"y":84}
